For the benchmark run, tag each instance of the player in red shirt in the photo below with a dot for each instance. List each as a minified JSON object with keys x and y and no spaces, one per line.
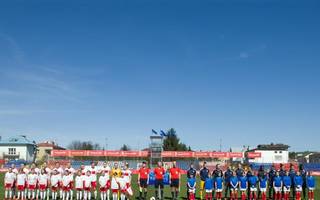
{"x":159,"y":171}
{"x":143,"y":179}
{"x":175,"y":173}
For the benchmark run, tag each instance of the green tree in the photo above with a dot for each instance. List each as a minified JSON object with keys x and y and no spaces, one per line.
{"x":172,"y":142}
{"x":83,"y":145}
{"x":125,"y":147}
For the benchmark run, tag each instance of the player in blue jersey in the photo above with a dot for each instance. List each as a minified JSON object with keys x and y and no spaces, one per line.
{"x":263,"y":182}
{"x":311,"y":184}
{"x":271,"y":175}
{"x":243,"y":185}
{"x":298,"y":181}
{"x":208,"y":186}
{"x":227,"y":176}
{"x":287,"y":184}
{"x":253,"y":181}
{"x":204,"y":174}
{"x":234,"y":182}
{"x":191,"y":184}
{"x":218,"y":182}
{"x":277,"y":186}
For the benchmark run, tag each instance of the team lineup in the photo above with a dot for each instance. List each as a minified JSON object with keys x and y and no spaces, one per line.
{"x":114,"y":182}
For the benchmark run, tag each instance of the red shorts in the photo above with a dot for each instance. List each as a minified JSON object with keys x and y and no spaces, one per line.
{"x":115,"y":191}
{"x":86,"y":188}
{"x":123,"y":191}
{"x":8,"y":186}
{"x":54,"y":188}
{"x":20,"y":187}
{"x":31,"y":187}
{"x":103,"y":189}
{"x":93,"y":185}
{"x":66,"y":188}
{"x":79,"y":189}
{"x":42,"y":187}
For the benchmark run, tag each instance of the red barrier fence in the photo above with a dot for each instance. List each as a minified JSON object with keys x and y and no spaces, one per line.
{"x":143,"y":154}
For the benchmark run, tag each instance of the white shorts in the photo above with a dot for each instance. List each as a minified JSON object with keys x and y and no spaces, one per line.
{"x":233,"y":189}
{"x":277,"y":189}
{"x":114,"y":184}
{"x":263,"y":189}
{"x":253,"y":189}
{"x":286,"y":189}
{"x":311,"y":188}
{"x":243,"y":189}
{"x":192,"y":190}
{"x":298,"y":189}
{"x":208,"y":191}
{"x":218,"y":190}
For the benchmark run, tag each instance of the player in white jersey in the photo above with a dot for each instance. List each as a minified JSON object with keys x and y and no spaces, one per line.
{"x":67,"y":181}
{"x":123,"y":187}
{"x":127,"y":178}
{"x":26,"y":170}
{"x":105,"y":168}
{"x":72,"y":172}
{"x":94,"y":171}
{"x":21,"y":184}
{"x":9,"y":180}
{"x":43,"y":183}
{"x":83,"y":170}
{"x":32,"y":181}
{"x":70,"y":168}
{"x":60,"y":171}
{"x":79,"y":185}
{"x":104,"y":182}
{"x":37,"y":172}
{"x":55,"y":181}
{"x":87,"y":179}
{"x":15,"y":171}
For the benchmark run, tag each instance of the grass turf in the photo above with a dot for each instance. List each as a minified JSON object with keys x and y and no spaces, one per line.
{"x":167,"y":192}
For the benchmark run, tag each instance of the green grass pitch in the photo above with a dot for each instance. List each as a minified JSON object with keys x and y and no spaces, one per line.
{"x":151,"y":189}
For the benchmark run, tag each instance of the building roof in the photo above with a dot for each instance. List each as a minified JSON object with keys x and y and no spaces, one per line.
{"x":272,"y":146}
{"x":50,"y":144}
{"x":17,"y":140}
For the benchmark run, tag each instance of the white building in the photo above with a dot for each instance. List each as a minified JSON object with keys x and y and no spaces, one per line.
{"x":271,"y":153}
{"x":18,"y":147}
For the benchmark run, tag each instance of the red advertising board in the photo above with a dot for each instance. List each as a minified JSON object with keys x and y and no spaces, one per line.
{"x":143,"y":154}
{"x":78,"y":153}
{"x":235,"y":154}
{"x":95,"y":153}
{"x":219,"y":154}
{"x":60,"y":153}
{"x":254,"y":154}
{"x":202,"y":154}
{"x":168,"y":154}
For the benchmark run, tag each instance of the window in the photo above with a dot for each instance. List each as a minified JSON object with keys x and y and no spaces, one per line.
{"x":12,"y":151}
{"x":275,"y":152}
{"x":280,"y":151}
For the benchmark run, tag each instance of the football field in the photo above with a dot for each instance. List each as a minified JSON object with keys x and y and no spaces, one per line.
{"x":151,"y":189}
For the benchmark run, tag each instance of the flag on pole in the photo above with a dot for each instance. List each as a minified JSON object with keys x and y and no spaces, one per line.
{"x":163,"y":134}
{"x":154,"y":132}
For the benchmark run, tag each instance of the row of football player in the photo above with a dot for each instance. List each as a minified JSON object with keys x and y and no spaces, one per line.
{"x":281,"y":182}
{"x":35,"y":183}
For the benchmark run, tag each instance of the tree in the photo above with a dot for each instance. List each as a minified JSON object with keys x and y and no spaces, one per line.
{"x":125,"y":147}
{"x":172,"y":142}
{"x":83,"y":145}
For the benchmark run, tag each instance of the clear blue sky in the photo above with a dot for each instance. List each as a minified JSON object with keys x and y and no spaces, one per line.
{"x":244,"y":71}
